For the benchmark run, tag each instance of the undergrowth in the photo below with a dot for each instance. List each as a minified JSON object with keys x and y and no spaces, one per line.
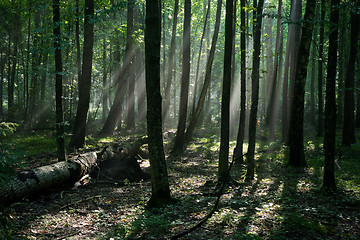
{"x":280,"y":203}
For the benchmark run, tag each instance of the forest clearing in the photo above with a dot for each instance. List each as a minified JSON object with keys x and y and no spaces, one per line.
{"x":179,"y":119}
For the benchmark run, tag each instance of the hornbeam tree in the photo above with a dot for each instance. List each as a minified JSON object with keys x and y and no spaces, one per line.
{"x":160,"y":194}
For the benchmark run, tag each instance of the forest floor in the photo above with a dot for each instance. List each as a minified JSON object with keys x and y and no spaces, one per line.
{"x":280,"y":203}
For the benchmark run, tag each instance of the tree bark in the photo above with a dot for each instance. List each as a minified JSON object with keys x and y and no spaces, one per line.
{"x":207,"y":79}
{"x":130,"y":123}
{"x":185,"y":80}
{"x":225,"y":99}
{"x":272,"y":108}
{"x":296,"y":130}
{"x":78,"y":138}
{"x":296,"y":18}
{"x":43,"y":178}
{"x":199,"y":58}
{"x":320,"y":130}
{"x":238,"y":151}
{"x":166,"y":103}
{"x":105,"y":84}
{"x":330,"y":100}
{"x":160,"y":194}
{"x":313,"y":71}
{"x":35,"y":74}
{"x":257,"y":15}
{"x":348,"y":136}
{"x":120,"y":76}
{"x":60,"y":134}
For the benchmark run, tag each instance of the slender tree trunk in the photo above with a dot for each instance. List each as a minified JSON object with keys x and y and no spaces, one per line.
{"x":296,"y":14}
{"x":199,"y":58}
{"x":257,"y":15}
{"x":2,"y":73}
{"x":357,"y":120}
{"x":290,"y":63}
{"x":60,"y":137}
{"x":141,"y":87}
{"x":269,"y":59}
{"x":285,"y":90}
{"x":272,"y":109}
{"x":185,"y":79}
{"x":296,"y":130}
{"x":313,"y":75}
{"x":14,"y":38}
{"x":160,"y":194}
{"x":330,"y":100}
{"x":238,"y":151}
{"x":78,"y":48}
{"x":225,"y":99}
{"x":26,"y":84}
{"x":78,"y":138}
{"x":207,"y":79}
{"x":120,"y":77}
{"x":348,"y":136}
{"x":44,"y":77}
{"x":131,"y":74}
{"x":35,"y":64}
{"x":171,"y":64}
{"x":105,"y":84}
{"x":320,"y":130}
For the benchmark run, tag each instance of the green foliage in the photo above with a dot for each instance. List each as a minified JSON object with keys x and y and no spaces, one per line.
{"x":11,"y":156}
{"x":7,"y":128}
{"x":117,"y":233}
{"x":17,"y":151}
{"x":156,"y":224}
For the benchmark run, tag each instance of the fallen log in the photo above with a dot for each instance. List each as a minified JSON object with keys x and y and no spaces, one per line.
{"x":41,"y":179}
{"x":113,"y":163}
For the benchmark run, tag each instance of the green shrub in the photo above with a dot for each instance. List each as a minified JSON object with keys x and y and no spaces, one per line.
{"x":7,"y":128}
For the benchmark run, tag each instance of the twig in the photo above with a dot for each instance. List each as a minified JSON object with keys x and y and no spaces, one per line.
{"x":79,"y":201}
{"x":181,"y":234}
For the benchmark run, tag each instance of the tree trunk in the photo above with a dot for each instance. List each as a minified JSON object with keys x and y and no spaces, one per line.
{"x":225,"y":99}
{"x":272,"y":109}
{"x":2,"y":73}
{"x":130,"y":123}
{"x":313,"y":71}
{"x":207,"y":79}
{"x":269,"y":60}
{"x":171,"y":64}
{"x":26,"y":77}
{"x":35,"y":74}
{"x":238,"y":151}
{"x":296,"y":13}
{"x":185,"y":79}
{"x":348,"y":136}
{"x":159,"y":179}
{"x":14,"y":37}
{"x":78,"y":138}
{"x":357,"y":120}
{"x":320,"y":130}
{"x":296,"y":130}
{"x":60,"y":136}
{"x":105,"y":84}
{"x":47,"y":177}
{"x":120,"y":78}
{"x":78,"y":50}
{"x":257,"y":15}
{"x":199,"y":58}
{"x":290,"y":59}
{"x":330,"y":100}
